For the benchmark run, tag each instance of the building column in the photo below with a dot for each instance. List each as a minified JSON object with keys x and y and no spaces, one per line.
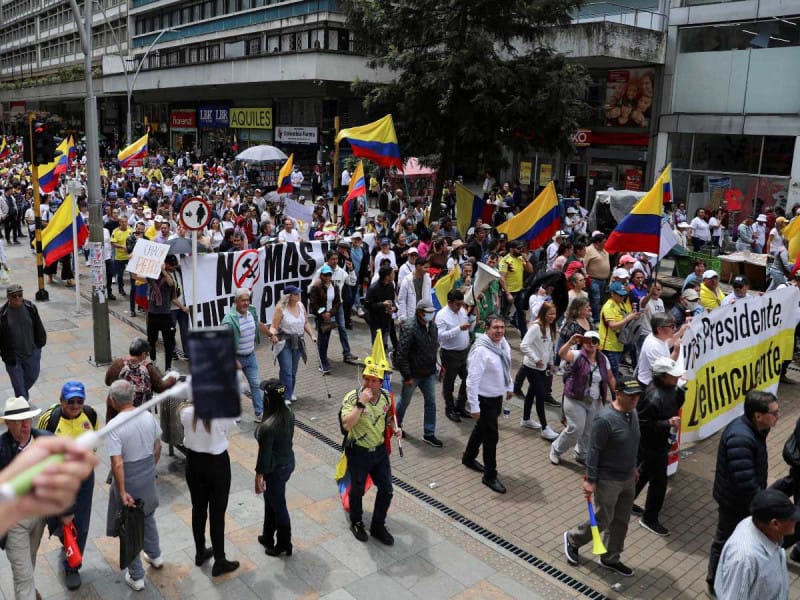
{"x":793,"y":196}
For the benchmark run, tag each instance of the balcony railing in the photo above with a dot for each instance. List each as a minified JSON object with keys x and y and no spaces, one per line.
{"x":642,"y":14}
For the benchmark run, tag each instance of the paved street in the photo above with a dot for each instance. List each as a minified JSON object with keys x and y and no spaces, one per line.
{"x":441,"y":551}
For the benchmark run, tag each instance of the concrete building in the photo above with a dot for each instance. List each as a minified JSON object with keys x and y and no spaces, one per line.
{"x":730,"y":117}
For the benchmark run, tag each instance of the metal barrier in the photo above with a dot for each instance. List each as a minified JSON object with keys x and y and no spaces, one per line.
{"x":635,"y":16}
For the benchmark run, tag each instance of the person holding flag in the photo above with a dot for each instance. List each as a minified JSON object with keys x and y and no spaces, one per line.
{"x":367,"y":415}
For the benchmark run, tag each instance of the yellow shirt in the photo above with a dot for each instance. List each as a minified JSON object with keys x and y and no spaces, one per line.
{"x":611,"y":312}
{"x":72,"y":428}
{"x":514,"y":268}
{"x":118,"y":237}
{"x":709,"y":299}
{"x":368,"y":432}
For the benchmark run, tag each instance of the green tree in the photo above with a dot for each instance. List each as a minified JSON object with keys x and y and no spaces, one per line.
{"x":472,"y":77}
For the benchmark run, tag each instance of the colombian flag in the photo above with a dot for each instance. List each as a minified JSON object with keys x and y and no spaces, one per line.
{"x":285,"y":176}
{"x":792,"y":235}
{"x":5,"y":151}
{"x":469,"y":208}
{"x":640,"y":231}
{"x":443,"y":286}
{"x":358,"y":187}
{"x":49,"y":174}
{"x":376,"y":141}
{"x":57,"y":236}
{"x":137,"y":150}
{"x":538,"y":223}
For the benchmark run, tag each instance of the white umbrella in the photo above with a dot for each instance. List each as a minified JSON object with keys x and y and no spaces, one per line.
{"x":262,"y":153}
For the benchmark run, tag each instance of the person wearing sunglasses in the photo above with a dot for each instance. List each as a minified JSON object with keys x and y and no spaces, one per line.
{"x":587,"y":380}
{"x":71,"y":417}
{"x":22,"y":337}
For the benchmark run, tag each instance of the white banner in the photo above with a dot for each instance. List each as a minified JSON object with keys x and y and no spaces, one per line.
{"x":301,"y":214}
{"x":266,"y":272}
{"x":147,"y":258}
{"x":731,"y":350}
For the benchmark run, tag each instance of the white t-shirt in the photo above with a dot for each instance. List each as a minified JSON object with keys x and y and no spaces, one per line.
{"x":652,"y":349}
{"x":288,"y":236}
{"x":700,"y":229}
{"x":200,"y":440}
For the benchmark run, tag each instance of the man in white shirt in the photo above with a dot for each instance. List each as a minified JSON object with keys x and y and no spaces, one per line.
{"x":288,"y":233}
{"x":489,"y":382}
{"x":408,"y":266}
{"x":414,"y":287}
{"x":454,"y":326}
{"x":753,"y":562}
{"x":552,"y":248}
{"x":664,"y":342}
{"x":297,"y":180}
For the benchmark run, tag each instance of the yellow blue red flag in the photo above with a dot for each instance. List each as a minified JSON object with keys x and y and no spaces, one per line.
{"x":538,"y":222}
{"x":376,"y":141}
{"x":640,"y":230}
{"x":57,"y":236}
{"x":443,"y":287}
{"x":285,"y":176}
{"x":137,"y":150}
{"x":469,"y":208}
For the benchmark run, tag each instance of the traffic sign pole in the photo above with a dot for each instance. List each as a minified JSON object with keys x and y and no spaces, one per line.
{"x":195,"y":214}
{"x":195,"y":304}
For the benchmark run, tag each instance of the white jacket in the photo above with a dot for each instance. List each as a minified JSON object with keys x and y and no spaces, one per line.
{"x":536,"y":346}
{"x":407,"y":296}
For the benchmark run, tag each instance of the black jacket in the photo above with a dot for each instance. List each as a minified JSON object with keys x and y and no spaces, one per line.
{"x":39,"y":334}
{"x":416,"y":349}
{"x":9,"y":447}
{"x":377,"y":294}
{"x":655,"y":408}
{"x":741,"y":465}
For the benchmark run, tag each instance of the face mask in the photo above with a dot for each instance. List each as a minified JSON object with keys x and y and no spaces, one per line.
{"x":428,"y":317}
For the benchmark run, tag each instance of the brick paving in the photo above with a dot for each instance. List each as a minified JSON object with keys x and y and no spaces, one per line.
{"x":542,"y":500}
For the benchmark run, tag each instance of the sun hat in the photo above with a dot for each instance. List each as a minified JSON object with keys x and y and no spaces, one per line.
{"x":667,"y":366}
{"x":18,"y":409}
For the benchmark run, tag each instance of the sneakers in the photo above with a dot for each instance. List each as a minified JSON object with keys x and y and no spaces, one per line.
{"x":294,"y":397}
{"x":550,"y":401}
{"x":554,"y":455}
{"x":529,"y":424}
{"x":258,"y":417}
{"x":655,"y":527}
{"x":549,"y":434}
{"x":570,"y":550}
{"x":382,"y":534}
{"x":637,"y":510}
{"x":581,"y":460}
{"x":432,"y":440}
{"x":325,"y":370}
{"x":155,"y":561}
{"x":618,"y":567}
{"x":351,"y":358}
{"x":358,"y":531}
{"x":137,"y":585}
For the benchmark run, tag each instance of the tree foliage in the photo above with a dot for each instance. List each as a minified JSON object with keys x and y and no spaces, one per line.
{"x":471,"y":77}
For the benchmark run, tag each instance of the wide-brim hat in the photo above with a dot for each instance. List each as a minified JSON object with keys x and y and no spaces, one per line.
{"x":18,"y":409}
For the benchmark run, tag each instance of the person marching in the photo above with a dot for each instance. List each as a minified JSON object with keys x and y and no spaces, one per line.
{"x":71,"y":418}
{"x":364,"y":415}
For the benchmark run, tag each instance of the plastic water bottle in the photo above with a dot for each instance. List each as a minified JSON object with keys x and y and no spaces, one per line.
{"x":673,"y":435}
{"x":506,"y":411}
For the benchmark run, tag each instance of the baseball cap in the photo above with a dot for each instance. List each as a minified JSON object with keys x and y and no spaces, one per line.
{"x":781,"y":221}
{"x":273,"y":389}
{"x":690,"y":294}
{"x":592,"y":335}
{"x":710,"y":274}
{"x":326,"y":270}
{"x":617,"y":288}
{"x":667,"y":366}
{"x":425,"y":305}
{"x":413,"y":250}
{"x":621,"y":273}
{"x":73,"y":389}
{"x":740,"y":281}
{"x":291,"y":289}
{"x":356,"y":235}
{"x":561,"y":233}
{"x":571,"y":210}
{"x":771,"y":504}
{"x":385,"y":242}
{"x":13,"y":289}
{"x":626,"y":258}
{"x":629,"y":386}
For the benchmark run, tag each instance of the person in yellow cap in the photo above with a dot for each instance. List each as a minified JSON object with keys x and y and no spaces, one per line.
{"x":365,"y":415}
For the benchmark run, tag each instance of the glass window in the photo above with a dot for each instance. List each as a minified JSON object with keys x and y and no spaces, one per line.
{"x":273,"y":43}
{"x":197,"y":12}
{"x":233,"y":6}
{"x":219,"y":8}
{"x":186,"y":15}
{"x":681,"y":149}
{"x":344,"y":40}
{"x":213,"y":52}
{"x":246,"y":4}
{"x":778,"y":153}
{"x":772,"y":33}
{"x":208,"y":8}
{"x":176,"y":17}
{"x":731,"y":153}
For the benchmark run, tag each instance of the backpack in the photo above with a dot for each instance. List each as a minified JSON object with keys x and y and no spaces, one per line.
{"x":130,"y":242}
{"x":139,"y":376}
{"x":347,"y":441}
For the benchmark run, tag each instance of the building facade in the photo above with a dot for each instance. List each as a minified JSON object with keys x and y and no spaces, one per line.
{"x":730,"y":119}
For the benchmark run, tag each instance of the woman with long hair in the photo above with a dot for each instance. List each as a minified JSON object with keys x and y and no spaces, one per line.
{"x":208,"y":475}
{"x":228,"y":220}
{"x":274,"y":466}
{"x":578,"y":320}
{"x":288,"y":324}
{"x":538,"y":353}
{"x":215,"y":234}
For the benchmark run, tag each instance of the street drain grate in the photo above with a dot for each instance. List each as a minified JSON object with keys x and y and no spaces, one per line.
{"x":59,"y":325}
{"x":529,"y":558}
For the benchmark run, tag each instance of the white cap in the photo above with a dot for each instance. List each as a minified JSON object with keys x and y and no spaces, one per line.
{"x":684,"y":225}
{"x":621,"y":273}
{"x":709,"y":274}
{"x":412,"y":250}
{"x":667,"y":366}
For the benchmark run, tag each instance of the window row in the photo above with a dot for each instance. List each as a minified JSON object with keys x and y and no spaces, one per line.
{"x":15,"y":33}
{"x":193,"y":12}
{"x":733,"y":153}
{"x":20,"y":61}
{"x":777,"y":32}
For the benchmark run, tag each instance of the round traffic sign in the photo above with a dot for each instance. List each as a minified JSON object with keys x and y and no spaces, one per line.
{"x":195,"y":213}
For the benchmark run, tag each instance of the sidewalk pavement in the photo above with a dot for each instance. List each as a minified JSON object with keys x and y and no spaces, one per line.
{"x":433,"y":557}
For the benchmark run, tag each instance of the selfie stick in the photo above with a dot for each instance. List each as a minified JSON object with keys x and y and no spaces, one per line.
{"x":22,"y":483}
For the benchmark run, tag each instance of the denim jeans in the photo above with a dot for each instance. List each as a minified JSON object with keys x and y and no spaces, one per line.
{"x":25,"y":372}
{"x":120,"y":272}
{"x":151,"y":546}
{"x":275,"y":494}
{"x":288,"y":361}
{"x":323,"y":339}
{"x":339,"y":316}
{"x":428,"y":387}
{"x":596,"y":291}
{"x":181,"y":319}
{"x":250,"y":370}
{"x":613,"y":360}
{"x":361,"y":463}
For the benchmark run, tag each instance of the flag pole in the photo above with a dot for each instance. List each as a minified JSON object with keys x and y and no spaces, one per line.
{"x":336,"y":170}
{"x":41,"y":293}
{"x":75,"y":272}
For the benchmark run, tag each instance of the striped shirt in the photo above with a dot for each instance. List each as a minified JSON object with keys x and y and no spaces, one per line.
{"x":247,"y":337}
{"x":751,"y":566}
